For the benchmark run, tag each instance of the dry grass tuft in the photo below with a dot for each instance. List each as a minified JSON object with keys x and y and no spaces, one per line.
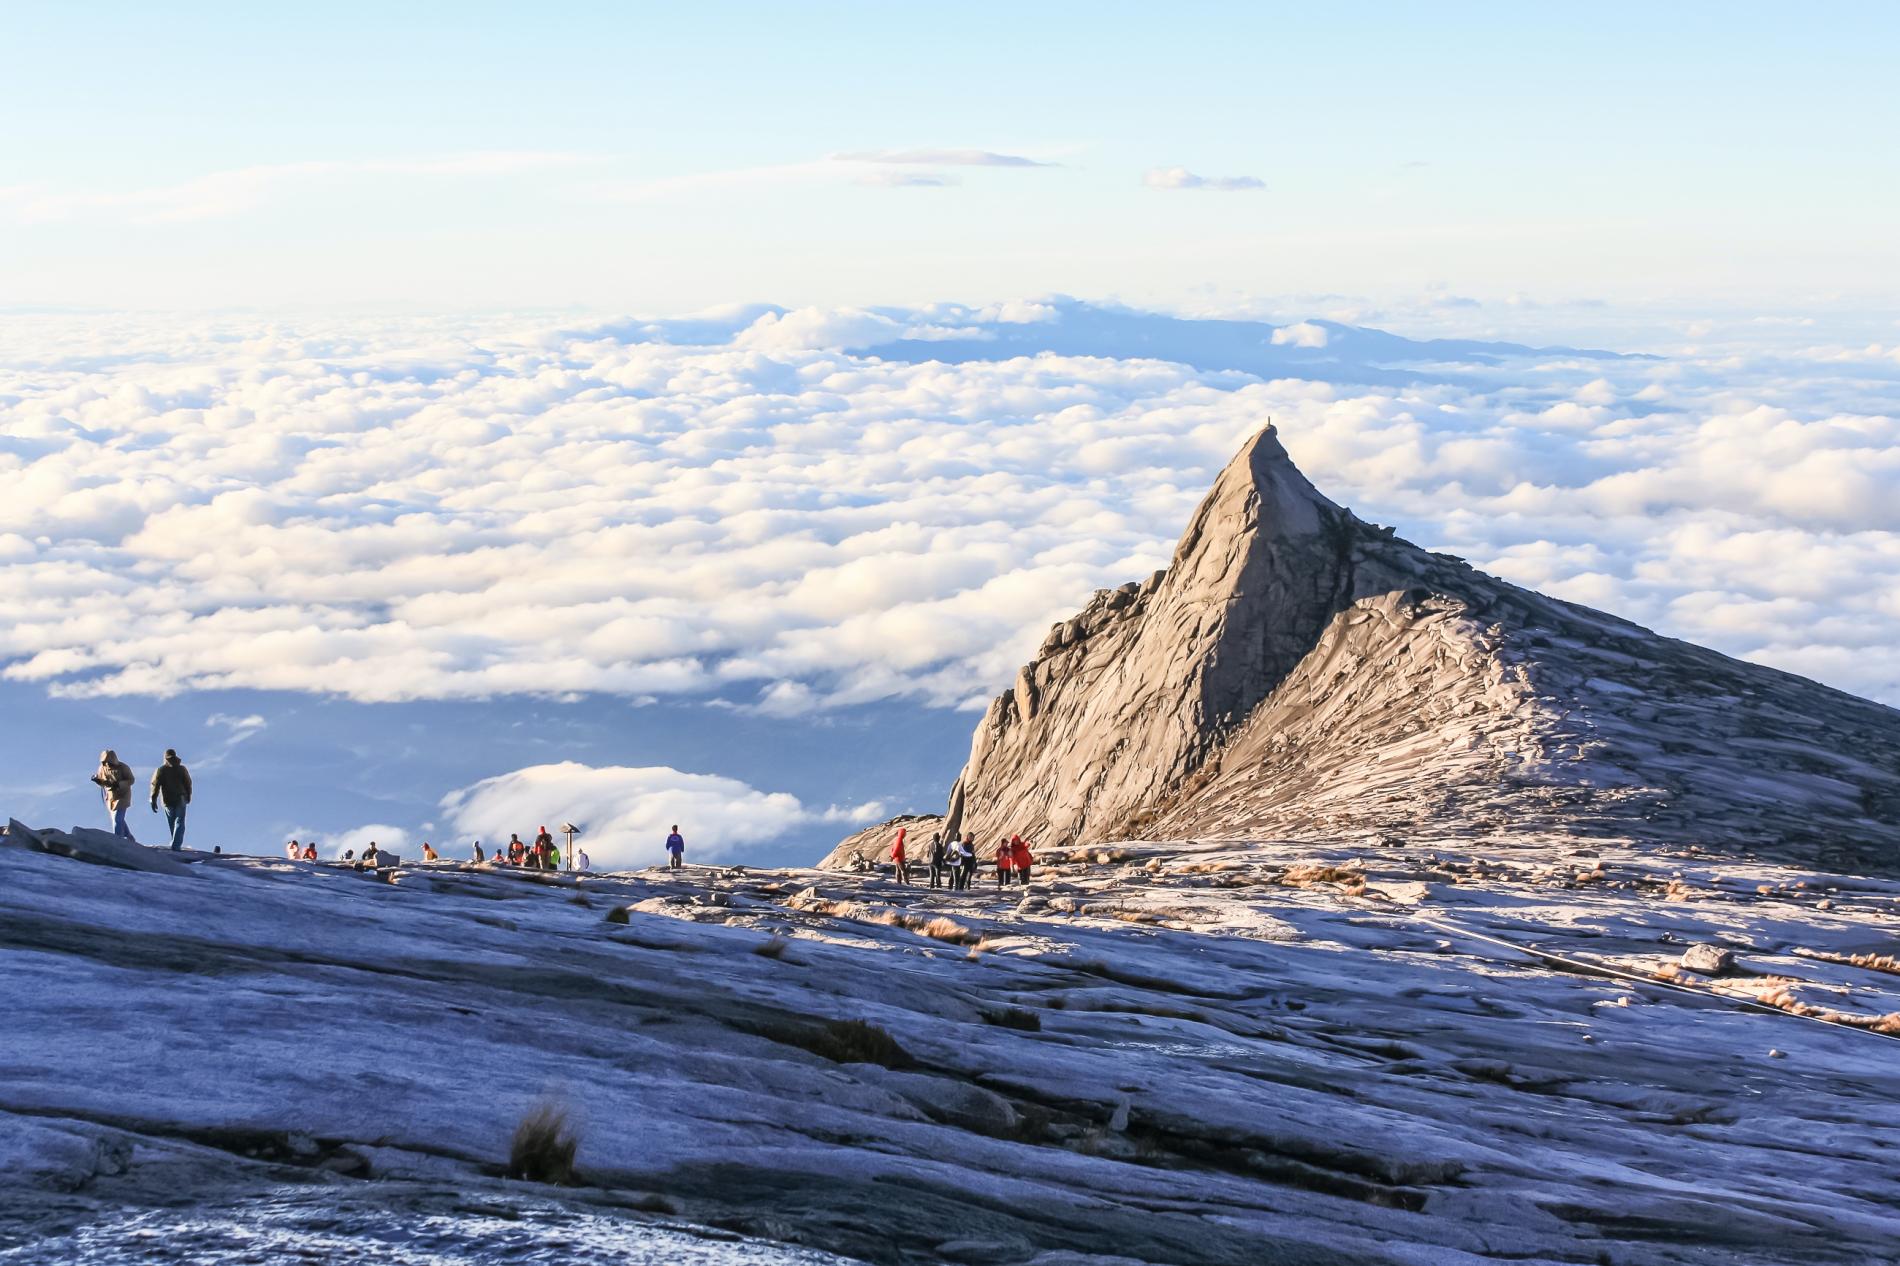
{"x":942,"y":929}
{"x":772,"y":947}
{"x":1872,"y":962}
{"x":1014,"y":1018}
{"x":617,"y":915}
{"x":859,"y":1042}
{"x":1310,"y":874}
{"x":543,"y":1147}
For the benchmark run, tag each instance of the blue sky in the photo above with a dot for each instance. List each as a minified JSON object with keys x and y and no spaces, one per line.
{"x":663,"y":158}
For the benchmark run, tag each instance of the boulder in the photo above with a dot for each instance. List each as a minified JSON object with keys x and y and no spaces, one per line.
{"x":99,"y":848}
{"x":1708,"y":960}
{"x":873,"y":843}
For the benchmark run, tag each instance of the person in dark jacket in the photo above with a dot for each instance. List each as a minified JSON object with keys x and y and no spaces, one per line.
{"x":966,"y":855}
{"x":937,"y":860}
{"x":171,"y":783}
{"x":675,"y":849}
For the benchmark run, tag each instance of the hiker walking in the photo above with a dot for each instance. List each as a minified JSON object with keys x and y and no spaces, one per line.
{"x":966,"y":860}
{"x":115,"y":780}
{"x":171,"y":782}
{"x":1019,"y":853}
{"x":900,"y":860}
{"x":1005,"y":862}
{"x":675,"y":849}
{"x":937,"y":859}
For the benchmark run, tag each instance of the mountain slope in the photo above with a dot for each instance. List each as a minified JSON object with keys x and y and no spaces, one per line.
{"x":1298,"y":673}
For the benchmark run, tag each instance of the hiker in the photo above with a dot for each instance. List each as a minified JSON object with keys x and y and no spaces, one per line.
{"x":349,"y":854}
{"x":293,"y":850}
{"x":171,"y":782}
{"x":1004,"y":863}
{"x":966,"y":855}
{"x":900,"y":860}
{"x":1019,"y":853}
{"x":429,"y":854}
{"x":580,"y":859}
{"x":477,"y":859}
{"x":515,"y":849}
{"x":115,"y":780}
{"x":543,"y":839}
{"x":676,"y":848}
{"x":937,"y":859}
{"x":554,"y":855}
{"x":310,"y":851}
{"x":369,"y":854}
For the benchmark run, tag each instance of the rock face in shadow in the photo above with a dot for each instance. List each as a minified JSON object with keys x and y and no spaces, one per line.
{"x":1299,"y":673}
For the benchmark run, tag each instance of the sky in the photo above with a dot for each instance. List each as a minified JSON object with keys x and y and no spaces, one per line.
{"x":667,"y":158}
{"x":438,"y":421}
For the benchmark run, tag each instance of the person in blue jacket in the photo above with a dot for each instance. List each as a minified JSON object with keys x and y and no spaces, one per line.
{"x":675,"y":849}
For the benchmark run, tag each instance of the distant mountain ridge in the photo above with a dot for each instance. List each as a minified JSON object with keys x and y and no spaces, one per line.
{"x":1298,"y":673}
{"x":1325,"y":351}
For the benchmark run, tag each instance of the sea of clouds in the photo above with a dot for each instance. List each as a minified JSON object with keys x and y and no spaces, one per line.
{"x":753,"y":510}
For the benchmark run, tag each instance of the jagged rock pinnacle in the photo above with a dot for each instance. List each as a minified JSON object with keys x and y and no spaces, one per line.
{"x":1296,"y":672}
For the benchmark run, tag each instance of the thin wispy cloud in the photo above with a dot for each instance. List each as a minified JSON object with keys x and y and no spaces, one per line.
{"x":1182,"y":178}
{"x":898,"y":179}
{"x":941,"y":158}
{"x":221,"y":194}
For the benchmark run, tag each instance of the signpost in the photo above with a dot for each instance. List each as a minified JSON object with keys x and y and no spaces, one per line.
{"x":570,"y":830}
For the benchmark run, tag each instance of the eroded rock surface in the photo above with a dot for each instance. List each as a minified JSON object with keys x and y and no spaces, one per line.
{"x":1214,"y":1054}
{"x":1299,"y":673}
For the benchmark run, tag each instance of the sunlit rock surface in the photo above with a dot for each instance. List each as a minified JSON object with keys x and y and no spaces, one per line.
{"x":1167,"y":1053}
{"x":1297,"y":673}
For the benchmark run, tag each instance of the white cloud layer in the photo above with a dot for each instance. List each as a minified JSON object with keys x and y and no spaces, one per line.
{"x":409,"y":509}
{"x":626,"y":812}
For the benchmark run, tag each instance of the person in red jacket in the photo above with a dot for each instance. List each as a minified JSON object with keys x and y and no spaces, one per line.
{"x":900,"y":860}
{"x":1005,"y":862}
{"x":1019,"y":853}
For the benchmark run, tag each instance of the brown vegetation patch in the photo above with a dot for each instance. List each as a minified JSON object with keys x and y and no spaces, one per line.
{"x":1014,"y":1018}
{"x":841,"y":1042}
{"x":1312,"y":874}
{"x":1872,"y":962}
{"x":543,"y":1147}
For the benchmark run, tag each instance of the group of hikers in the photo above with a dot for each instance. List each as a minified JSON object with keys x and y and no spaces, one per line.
{"x":541,"y":853}
{"x":171,"y":786}
{"x":953,"y":862}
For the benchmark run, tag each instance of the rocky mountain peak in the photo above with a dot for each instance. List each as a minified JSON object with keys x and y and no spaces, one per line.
{"x":1296,"y":672}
